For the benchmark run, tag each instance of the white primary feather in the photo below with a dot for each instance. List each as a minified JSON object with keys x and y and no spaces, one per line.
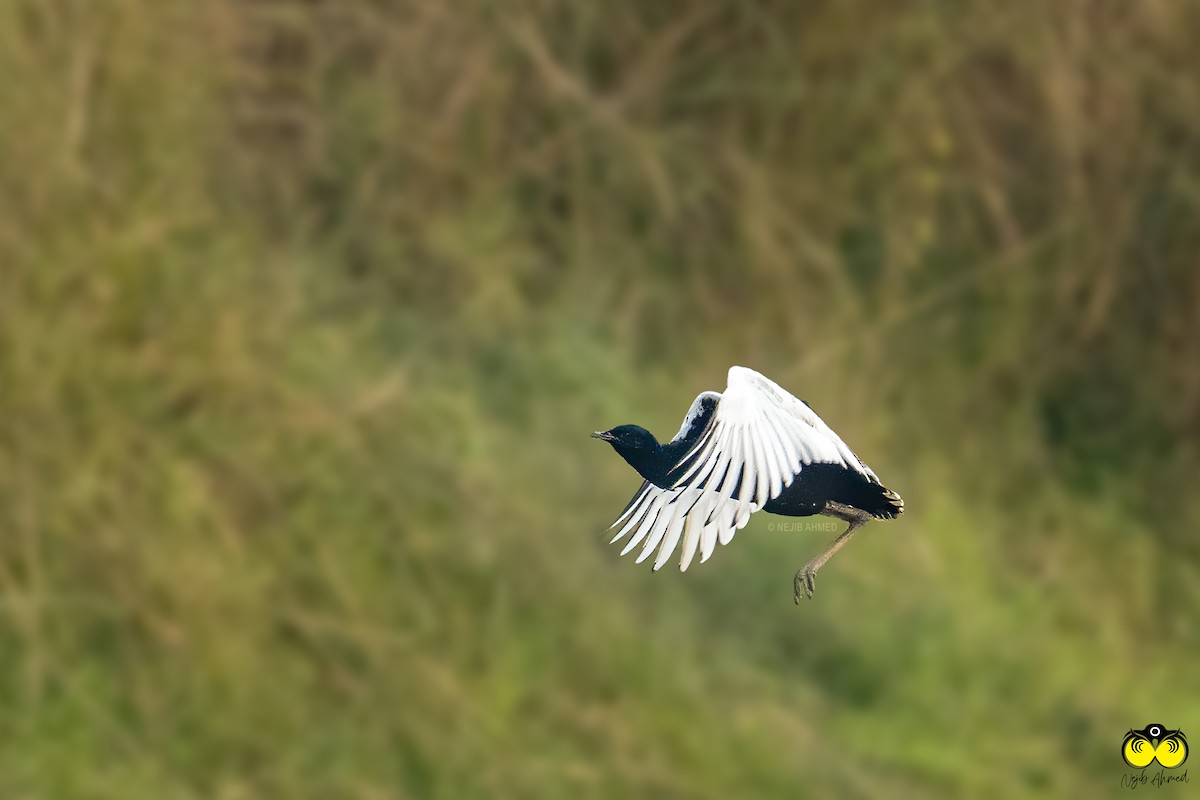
{"x":661,"y":518}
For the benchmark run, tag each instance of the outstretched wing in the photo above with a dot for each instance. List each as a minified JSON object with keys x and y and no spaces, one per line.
{"x":758,"y":441}
{"x":662,"y":517}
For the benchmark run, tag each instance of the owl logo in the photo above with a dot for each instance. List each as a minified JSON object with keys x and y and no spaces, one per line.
{"x":1154,"y":743}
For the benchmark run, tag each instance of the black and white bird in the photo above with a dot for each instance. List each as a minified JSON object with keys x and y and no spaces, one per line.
{"x":755,"y":447}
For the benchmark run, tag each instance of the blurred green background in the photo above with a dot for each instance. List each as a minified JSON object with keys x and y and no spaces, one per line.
{"x":307,"y":309}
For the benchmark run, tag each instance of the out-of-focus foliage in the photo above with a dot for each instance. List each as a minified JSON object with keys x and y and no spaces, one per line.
{"x":307,"y":309}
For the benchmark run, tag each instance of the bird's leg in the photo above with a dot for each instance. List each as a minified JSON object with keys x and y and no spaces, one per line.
{"x":805,"y":580}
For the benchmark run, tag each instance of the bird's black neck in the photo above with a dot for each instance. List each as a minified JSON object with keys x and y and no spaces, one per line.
{"x":655,"y":463}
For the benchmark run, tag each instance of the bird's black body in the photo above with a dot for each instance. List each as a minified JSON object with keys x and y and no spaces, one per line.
{"x":821,"y":484}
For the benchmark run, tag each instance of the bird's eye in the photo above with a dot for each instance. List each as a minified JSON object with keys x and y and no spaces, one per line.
{"x":1155,"y":730}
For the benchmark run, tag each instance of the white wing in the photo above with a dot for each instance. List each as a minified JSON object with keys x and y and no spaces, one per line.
{"x":662,"y":517}
{"x":758,"y":442}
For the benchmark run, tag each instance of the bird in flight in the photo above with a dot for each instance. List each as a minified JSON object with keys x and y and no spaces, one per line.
{"x":755,"y":447}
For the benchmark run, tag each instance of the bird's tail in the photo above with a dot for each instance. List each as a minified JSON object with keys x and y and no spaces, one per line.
{"x":889,"y":506}
{"x":878,"y":501}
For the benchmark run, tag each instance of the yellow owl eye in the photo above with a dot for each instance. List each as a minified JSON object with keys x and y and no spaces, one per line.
{"x":1137,"y":751}
{"x":1171,"y":752}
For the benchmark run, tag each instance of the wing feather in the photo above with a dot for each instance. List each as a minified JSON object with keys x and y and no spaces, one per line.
{"x":670,"y":540}
{"x":766,"y":481}
{"x":659,"y":519}
{"x":644,"y":525}
{"x":767,"y":437}
{"x":691,"y":539}
{"x":777,"y":440}
{"x":633,"y":505}
{"x":655,"y":537}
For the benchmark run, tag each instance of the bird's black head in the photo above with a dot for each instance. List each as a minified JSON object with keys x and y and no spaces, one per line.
{"x":636,"y":445}
{"x":628,"y":437}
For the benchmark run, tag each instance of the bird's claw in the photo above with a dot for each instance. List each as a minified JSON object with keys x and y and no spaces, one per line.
{"x":804,"y":583}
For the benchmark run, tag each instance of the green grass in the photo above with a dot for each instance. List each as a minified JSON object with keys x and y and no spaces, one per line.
{"x":307,"y":309}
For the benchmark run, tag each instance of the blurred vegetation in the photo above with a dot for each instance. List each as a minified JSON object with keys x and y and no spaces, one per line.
{"x":307,"y":309}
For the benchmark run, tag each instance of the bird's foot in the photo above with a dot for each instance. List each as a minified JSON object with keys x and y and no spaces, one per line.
{"x":805,"y":582}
